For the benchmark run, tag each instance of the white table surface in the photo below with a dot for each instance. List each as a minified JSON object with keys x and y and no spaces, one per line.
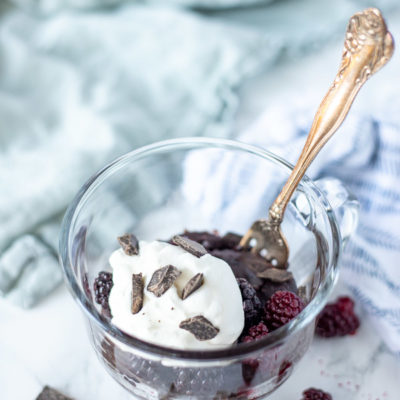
{"x":49,"y":344}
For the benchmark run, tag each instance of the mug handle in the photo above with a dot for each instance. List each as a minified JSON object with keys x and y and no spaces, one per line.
{"x":344,"y":205}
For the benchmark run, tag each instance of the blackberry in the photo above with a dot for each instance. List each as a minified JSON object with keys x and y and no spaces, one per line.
{"x":251,"y":303}
{"x":315,"y":394}
{"x":102,"y":287}
{"x":282,"y":307}
{"x":338,"y":319}
{"x":255,"y":332}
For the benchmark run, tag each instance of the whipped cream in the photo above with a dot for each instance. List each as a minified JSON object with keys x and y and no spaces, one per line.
{"x":218,"y":299}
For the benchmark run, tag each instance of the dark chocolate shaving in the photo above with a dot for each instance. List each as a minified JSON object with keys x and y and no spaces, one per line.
{"x":255,"y":262}
{"x":189,"y":245}
{"x":49,"y":393}
{"x":137,"y":293}
{"x":200,"y":327}
{"x":192,"y":285}
{"x":163,"y":279}
{"x":275,"y":275}
{"x":129,"y":244}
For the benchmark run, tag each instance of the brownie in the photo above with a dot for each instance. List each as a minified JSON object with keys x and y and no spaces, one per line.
{"x":244,"y":263}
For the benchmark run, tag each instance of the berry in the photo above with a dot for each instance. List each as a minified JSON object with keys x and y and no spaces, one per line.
{"x":282,"y":307}
{"x":338,"y":319}
{"x":249,"y":369}
{"x":315,"y":394}
{"x":251,"y":303}
{"x":102,"y":287}
{"x":255,"y":332}
{"x":284,"y":370}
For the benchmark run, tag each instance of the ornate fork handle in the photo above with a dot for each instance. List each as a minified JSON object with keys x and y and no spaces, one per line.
{"x":368,"y":46}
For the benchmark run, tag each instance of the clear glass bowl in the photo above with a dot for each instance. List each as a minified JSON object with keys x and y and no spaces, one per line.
{"x":202,"y":184}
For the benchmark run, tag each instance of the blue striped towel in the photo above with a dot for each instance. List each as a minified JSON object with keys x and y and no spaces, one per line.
{"x":365,"y":156}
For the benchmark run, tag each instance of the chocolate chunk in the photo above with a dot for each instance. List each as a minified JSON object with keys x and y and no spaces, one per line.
{"x":255,"y":262}
{"x":163,"y":279}
{"x":189,"y":245}
{"x":200,"y":327}
{"x":49,"y":393}
{"x":275,"y":275}
{"x":137,"y":293}
{"x":129,"y":244}
{"x":192,"y":285}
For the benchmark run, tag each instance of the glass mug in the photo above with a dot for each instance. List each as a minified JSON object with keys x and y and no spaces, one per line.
{"x":203,"y":184}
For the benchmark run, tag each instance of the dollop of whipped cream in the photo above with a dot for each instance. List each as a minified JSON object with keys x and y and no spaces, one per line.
{"x":218,"y":299}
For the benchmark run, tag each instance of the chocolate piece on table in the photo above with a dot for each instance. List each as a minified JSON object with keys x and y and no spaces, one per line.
{"x":137,"y":293}
{"x":129,"y":244}
{"x":192,"y":285}
{"x":189,"y":245}
{"x":49,"y":393}
{"x":200,"y":327}
{"x":275,"y":275}
{"x":163,"y":279}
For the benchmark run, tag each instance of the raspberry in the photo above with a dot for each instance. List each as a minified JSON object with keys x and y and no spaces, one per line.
{"x":249,"y":369}
{"x":315,"y":394}
{"x":251,"y":303}
{"x":255,"y":332}
{"x":102,"y":287}
{"x":281,"y":308}
{"x":284,"y":370}
{"x":338,"y":319}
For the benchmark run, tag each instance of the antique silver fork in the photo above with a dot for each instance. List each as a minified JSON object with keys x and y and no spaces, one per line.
{"x":368,"y":46}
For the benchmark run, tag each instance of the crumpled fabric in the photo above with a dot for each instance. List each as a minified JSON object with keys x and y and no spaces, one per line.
{"x":79,"y":90}
{"x":52,"y":6}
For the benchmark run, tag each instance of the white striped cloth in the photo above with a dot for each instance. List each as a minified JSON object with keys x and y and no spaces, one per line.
{"x":365,"y":156}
